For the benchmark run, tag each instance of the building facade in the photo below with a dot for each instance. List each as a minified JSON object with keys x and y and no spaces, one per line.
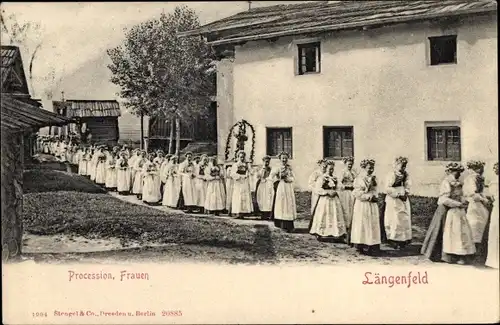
{"x":425,"y":89}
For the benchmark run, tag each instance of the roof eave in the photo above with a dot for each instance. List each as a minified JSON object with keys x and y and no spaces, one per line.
{"x":336,"y":27}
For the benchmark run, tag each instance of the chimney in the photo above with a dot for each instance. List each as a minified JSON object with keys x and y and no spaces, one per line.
{"x":62,"y":96}
{"x":249,"y":5}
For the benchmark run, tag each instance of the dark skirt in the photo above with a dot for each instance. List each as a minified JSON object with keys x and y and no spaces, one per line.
{"x":383,"y":235}
{"x":432,"y":247}
{"x":275,"y":186}
{"x":284,"y":224}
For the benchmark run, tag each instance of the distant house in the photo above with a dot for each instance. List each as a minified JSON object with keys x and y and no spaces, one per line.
{"x":371,"y":79}
{"x":100,"y":117}
{"x":21,"y":117}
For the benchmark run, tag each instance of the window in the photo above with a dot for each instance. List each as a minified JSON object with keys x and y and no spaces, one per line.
{"x":338,"y":142}
{"x":309,"y":58}
{"x":443,"y":143}
{"x":278,"y":140}
{"x":443,"y":49}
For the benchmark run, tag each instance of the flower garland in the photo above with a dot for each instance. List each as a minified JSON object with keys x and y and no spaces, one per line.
{"x":229,"y":136}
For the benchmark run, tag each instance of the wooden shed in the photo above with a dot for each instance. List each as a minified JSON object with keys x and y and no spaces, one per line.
{"x":21,"y":117}
{"x":100,"y":117}
{"x":195,"y":130}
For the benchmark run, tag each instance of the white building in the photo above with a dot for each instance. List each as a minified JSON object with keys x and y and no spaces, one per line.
{"x":368,"y":79}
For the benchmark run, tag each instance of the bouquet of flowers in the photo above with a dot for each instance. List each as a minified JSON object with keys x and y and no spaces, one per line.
{"x":242,"y":170}
{"x":151,"y":168}
{"x":123,"y":163}
{"x":215,"y":171}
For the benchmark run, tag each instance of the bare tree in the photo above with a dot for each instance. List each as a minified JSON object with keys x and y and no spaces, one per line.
{"x":26,"y":36}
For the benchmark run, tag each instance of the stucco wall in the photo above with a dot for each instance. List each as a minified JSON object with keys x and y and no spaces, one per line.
{"x":379,"y":82}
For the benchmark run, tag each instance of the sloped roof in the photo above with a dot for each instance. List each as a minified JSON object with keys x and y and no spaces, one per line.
{"x":17,"y":115}
{"x":10,"y":54}
{"x":321,"y":16}
{"x":93,"y":108}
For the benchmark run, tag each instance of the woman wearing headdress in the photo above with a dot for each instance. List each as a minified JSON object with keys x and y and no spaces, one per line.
{"x":201,"y":183}
{"x":138,"y":185}
{"x":241,"y":201}
{"x":172,"y":184}
{"x":397,"y":216}
{"x":477,"y":211}
{"x":492,"y":257}
{"x":122,"y":175}
{"x":285,"y":208}
{"x":265,"y":189}
{"x":328,"y":219}
{"x":187,"y":173}
{"x":82,"y":162}
{"x":449,"y":237}
{"x":317,"y":173}
{"x":215,"y":201}
{"x":346,"y":187}
{"x":229,"y":188}
{"x":151,"y":190}
{"x":365,"y":228}
{"x":100,"y":170}
{"x":111,"y":177}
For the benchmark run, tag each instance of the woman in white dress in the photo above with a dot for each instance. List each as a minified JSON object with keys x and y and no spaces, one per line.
{"x":201,"y":183}
{"x":138,"y":174}
{"x":328,"y":221}
{"x":346,"y":187}
{"x":492,"y":258}
{"x":136,"y":154}
{"x":229,"y":188}
{"x":111,"y":177}
{"x":172,"y":185}
{"x":122,"y":175}
{"x":215,"y":201}
{"x":187,"y":174}
{"x":151,"y":190}
{"x":163,"y":166}
{"x":397,"y":216}
{"x":100,"y":170}
{"x":477,"y":211}
{"x":93,"y":163}
{"x":285,"y":208}
{"x":317,"y":173}
{"x":449,"y":237}
{"x":265,"y":189}
{"x":241,"y":200}
{"x":82,"y":162}
{"x":365,"y":228}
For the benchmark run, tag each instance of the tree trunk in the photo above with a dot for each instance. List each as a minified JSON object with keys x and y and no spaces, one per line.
{"x":171,"y":138}
{"x":177,"y":135}
{"x":142,"y":131}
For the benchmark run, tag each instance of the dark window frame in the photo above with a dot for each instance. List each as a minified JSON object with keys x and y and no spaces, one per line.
{"x":431,"y":135}
{"x":301,"y":70}
{"x":269,"y":145}
{"x":437,"y":50}
{"x":327,"y":130}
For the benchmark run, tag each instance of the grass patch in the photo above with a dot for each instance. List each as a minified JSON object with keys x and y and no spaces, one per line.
{"x":43,"y":180}
{"x":102,"y":216}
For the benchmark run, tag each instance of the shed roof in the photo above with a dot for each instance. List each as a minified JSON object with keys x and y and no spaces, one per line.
{"x":322,"y":16}
{"x":12,"y":73}
{"x":90,"y":108}
{"x":18,"y":115}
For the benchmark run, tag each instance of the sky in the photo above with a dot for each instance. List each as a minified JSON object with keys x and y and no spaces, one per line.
{"x":75,"y":33}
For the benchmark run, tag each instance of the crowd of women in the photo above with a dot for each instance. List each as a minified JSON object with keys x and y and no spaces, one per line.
{"x":344,"y":208}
